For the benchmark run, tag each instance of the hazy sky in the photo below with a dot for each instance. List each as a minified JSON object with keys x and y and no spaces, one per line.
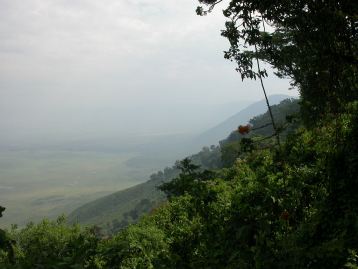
{"x":90,"y":67}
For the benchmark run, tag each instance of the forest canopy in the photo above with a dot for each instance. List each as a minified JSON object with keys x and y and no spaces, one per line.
{"x":314,"y":43}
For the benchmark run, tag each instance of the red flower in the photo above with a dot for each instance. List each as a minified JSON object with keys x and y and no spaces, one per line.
{"x":244,"y":129}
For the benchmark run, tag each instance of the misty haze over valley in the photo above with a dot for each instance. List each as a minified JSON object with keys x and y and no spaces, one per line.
{"x":95,"y":97}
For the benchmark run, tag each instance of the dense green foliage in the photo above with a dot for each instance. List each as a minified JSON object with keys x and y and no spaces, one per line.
{"x":268,"y":205}
{"x":53,"y":244}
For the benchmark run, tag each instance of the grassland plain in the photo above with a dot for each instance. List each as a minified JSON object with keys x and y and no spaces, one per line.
{"x":47,"y":183}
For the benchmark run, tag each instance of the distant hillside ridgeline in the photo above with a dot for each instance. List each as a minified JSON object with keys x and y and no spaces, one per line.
{"x":117,"y":210}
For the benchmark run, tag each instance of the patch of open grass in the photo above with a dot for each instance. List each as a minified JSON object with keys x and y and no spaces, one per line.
{"x":38,"y":184}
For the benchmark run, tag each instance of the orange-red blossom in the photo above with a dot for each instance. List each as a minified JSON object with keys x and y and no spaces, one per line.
{"x":244,"y":129}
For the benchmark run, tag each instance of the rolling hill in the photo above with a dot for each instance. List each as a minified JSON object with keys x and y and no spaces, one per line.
{"x":121,"y":208}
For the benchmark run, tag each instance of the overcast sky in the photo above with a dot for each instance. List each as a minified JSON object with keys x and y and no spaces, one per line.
{"x":90,"y":67}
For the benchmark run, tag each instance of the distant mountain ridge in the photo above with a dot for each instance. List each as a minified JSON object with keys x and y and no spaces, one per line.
{"x":220,"y":131}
